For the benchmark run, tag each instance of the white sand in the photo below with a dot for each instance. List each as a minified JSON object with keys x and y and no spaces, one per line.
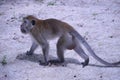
{"x":97,"y":20}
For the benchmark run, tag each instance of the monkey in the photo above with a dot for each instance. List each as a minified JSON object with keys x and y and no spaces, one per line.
{"x":69,"y":39}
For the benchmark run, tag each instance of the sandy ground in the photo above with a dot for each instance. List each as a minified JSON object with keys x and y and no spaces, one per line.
{"x":98,"y":21}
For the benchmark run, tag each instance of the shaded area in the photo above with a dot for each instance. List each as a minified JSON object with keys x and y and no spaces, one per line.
{"x":38,"y":57}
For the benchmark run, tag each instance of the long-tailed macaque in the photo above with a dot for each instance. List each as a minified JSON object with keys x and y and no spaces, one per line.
{"x":44,"y":30}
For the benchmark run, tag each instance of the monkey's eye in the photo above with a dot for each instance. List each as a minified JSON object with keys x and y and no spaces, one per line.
{"x":25,"y":21}
{"x":33,"y":22}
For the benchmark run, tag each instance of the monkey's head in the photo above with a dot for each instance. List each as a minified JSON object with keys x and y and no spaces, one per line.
{"x":27,"y":24}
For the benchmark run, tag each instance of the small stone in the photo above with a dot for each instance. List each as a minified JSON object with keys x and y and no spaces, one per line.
{"x":75,"y":76}
{"x":113,"y":20}
{"x":81,"y":25}
{"x":101,"y":76}
{"x":111,"y":36}
{"x":86,"y":38}
{"x":6,"y":75}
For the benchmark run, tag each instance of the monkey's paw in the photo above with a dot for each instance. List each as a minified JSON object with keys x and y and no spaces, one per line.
{"x":55,"y":62}
{"x":29,"y":53}
{"x":85,"y":63}
{"x":43,"y":63}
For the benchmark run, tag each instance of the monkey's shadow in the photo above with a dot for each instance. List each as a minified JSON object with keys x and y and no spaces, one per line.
{"x":38,"y":57}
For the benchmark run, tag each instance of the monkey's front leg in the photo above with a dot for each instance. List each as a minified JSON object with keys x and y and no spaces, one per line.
{"x":45,"y":49}
{"x":32,"y":49}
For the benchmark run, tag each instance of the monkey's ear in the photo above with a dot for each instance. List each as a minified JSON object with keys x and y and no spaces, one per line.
{"x":33,"y":22}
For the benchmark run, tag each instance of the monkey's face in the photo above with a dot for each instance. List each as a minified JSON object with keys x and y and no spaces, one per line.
{"x":27,"y":25}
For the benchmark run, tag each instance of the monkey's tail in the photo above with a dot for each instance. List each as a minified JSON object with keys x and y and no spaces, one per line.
{"x":83,"y":41}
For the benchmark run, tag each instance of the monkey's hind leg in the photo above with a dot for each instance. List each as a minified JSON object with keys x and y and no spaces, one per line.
{"x":78,"y":49}
{"x":60,"y":52}
{"x":81,"y":53}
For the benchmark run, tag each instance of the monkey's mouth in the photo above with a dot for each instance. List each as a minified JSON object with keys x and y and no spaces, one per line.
{"x":23,"y":31}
